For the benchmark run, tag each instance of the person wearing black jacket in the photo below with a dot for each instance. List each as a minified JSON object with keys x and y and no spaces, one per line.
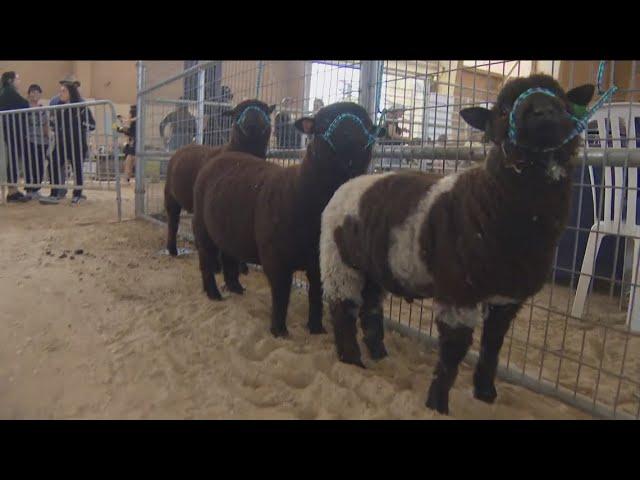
{"x":70,"y":126}
{"x":130,"y":147}
{"x":14,"y":129}
{"x":183,"y":127}
{"x":284,"y":129}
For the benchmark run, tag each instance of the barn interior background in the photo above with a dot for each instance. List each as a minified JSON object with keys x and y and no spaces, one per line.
{"x":579,"y":338}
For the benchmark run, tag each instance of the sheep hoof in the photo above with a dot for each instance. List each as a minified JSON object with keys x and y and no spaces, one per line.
{"x":438,"y":402}
{"x":316,"y":329}
{"x":377,"y":351}
{"x":280,"y":332}
{"x":214,"y":295}
{"x":485,"y":393}
{"x":234,"y":287}
{"x":357,"y":362}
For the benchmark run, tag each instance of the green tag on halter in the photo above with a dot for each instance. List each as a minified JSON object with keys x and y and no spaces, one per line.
{"x":579,"y":110}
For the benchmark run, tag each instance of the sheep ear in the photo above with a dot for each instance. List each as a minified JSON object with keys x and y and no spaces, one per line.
{"x":306,"y":124}
{"x":271,"y":108}
{"x":581,"y":95}
{"x":477,"y":117}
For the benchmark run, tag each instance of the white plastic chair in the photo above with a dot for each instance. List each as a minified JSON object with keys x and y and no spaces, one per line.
{"x":613,"y":222}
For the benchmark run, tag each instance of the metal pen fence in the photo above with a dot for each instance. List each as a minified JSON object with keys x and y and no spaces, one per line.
{"x":72,"y":146}
{"x":579,"y":338}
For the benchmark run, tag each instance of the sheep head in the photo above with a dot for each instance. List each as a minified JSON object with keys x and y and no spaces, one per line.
{"x":541,"y":116}
{"x":343,"y":137}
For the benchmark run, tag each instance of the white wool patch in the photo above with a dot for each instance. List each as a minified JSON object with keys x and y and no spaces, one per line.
{"x":404,"y":252}
{"x":339,"y":281}
{"x":457,"y":316}
{"x":555,"y":171}
{"x":500,"y":300}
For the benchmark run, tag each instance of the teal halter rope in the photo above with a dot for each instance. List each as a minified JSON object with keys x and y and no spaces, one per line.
{"x":242,"y":116}
{"x":581,"y":119}
{"x":338,"y":120}
{"x":600,"y":77}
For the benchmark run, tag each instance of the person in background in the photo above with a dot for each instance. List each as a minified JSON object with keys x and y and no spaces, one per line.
{"x":37,"y":141}
{"x":68,"y":79}
{"x":13,"y":130}
{"x":130,"y":147}
{"x":285,"y":132}
{"x":183,"y":127}
{"x":317,"y":105}
{"x":218,"y":126}
{"x":392,"y":125}
{"x":70,"y":127}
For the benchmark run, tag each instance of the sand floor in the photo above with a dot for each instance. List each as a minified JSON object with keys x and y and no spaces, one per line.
{"x":121,"y":331}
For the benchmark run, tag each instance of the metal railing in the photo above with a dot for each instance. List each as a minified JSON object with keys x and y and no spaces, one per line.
{"x":62,"y":147}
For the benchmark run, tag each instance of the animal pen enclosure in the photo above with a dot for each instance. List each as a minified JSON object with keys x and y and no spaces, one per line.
{"x":584,"y":348}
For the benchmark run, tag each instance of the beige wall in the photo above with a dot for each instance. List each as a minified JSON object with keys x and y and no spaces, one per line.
{"x":45,"y":73}
{"x":280,"y":79}
{"x":572,"y":74}
{"x":104,"y":80}
{"x":114,"y":80}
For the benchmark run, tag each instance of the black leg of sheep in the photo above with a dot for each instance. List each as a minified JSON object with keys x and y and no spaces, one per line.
{"x":280,"y":283}
{"x":315,"y":299}
{"x":173,"y":217}
{"x":231,"y":274}
{"x":343,"y":314}
{"x":208,"y":254}
{"x":496,"y":325}
{"x":454,"y":343}
{"x":371,"y":320}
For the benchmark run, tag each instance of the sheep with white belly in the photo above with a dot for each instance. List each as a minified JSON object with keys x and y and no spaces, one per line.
{"x":478,"y":242}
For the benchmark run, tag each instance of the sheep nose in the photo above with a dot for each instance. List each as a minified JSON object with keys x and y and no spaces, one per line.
{"x":543,"y":111}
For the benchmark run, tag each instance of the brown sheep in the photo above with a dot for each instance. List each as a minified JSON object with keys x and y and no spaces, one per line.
{"x":263,"y":213}
{"x":251,"y":136}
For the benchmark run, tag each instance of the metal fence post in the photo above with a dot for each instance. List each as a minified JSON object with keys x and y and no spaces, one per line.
{"x":200,"y":107}
{"x":369,"y":80}
{"x":118,"y":163}
{"x":3,"y":160}
{"x":425,"y":108}
{"x":259,"y":77}
{"x":140,"y":190}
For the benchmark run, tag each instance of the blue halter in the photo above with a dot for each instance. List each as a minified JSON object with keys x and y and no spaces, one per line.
{"x":338,"y":120}
{"x":581,"y":121}
{"x":242,"y":116}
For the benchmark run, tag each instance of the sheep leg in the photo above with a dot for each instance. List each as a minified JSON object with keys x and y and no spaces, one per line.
{"x":231,"y":273}
{"x":315,"y":299}
{"x":496,"y":325}
{"x":208,"y":257}
{"x":454,"y":342}
{"x":280,"y":283}
{"x":371,"y":320}
{"x":173,"y":214}
{"x":201,"y":237}
{"x":343,"y":313}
